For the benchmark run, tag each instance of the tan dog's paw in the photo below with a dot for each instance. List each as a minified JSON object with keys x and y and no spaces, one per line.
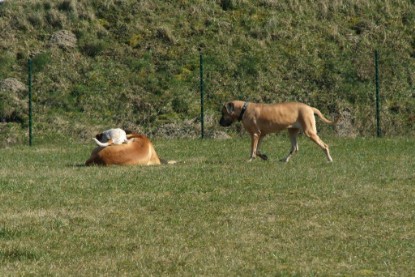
{"x":263,"y":157}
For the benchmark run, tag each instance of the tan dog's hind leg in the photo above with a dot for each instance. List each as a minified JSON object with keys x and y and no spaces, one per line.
{"x":314,"y":137}
{"x":293,"y":132}
{"x":310,"y":130}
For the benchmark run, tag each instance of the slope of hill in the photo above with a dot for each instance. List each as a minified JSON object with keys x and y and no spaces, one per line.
{"x":135,"y":64}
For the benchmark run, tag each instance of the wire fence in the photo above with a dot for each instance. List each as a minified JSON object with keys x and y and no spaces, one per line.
{"x":381,"y":102}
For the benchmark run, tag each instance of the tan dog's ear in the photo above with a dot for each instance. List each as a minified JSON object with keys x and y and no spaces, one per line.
{"x":230,"y":107}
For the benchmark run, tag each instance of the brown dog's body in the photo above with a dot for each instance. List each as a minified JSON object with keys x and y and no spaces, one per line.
{"x":262,"y":119}
{"x":140,"y":151}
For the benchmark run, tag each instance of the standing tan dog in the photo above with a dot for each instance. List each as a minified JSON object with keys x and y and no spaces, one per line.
{"x":262,"y":119}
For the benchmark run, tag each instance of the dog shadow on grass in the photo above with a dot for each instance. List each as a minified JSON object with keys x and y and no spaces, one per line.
{"x":163,"y":163}
{"x":76,"y":165}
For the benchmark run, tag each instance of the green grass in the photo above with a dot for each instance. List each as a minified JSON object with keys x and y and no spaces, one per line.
{"x":213,"y":213}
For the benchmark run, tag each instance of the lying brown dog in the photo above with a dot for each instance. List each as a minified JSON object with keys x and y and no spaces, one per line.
{"x":140,"y":151}
{"x":262,"y":119}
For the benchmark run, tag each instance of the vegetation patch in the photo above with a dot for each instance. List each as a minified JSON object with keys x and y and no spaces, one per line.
{"x":126,"y":63}
{"x":16,"y":255}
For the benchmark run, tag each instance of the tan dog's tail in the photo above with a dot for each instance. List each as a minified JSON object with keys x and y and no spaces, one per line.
{"x":163,"y":161}
{"x":317,"y":112}
{"x":103,"y":144}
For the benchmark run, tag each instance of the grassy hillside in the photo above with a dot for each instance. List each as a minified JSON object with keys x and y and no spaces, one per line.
{"x":135,"y":64}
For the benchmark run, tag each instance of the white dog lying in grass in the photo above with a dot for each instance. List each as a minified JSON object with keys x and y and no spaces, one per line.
{"x":111,"y":136}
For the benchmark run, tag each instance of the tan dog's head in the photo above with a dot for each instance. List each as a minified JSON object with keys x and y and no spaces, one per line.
{"x":230,"y":113}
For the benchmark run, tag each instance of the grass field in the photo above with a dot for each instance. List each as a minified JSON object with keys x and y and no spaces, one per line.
{"x":213,"y":213}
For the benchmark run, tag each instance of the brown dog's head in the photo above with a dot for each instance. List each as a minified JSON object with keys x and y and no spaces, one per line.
{"x":229,"y":113}
{"x":100,"y":137}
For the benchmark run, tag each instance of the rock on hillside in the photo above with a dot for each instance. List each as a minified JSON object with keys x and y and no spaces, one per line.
{"x":13,"y":107}
{"x":64,"y":39}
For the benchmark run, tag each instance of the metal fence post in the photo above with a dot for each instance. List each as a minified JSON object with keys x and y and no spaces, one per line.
{"x":30,"y":100}
{"x":202,"y":116}
{"x":378,"y":129}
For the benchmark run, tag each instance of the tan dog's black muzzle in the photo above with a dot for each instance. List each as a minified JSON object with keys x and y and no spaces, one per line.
{"x":225,"y":122}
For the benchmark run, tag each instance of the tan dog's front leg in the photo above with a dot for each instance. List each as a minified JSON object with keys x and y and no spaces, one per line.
{"x":294,"y":144}
{"x":254,"y":145}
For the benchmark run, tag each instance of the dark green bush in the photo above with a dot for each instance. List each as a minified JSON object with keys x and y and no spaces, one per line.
{"x":40,"y":61}
{"x":93,"y":47}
